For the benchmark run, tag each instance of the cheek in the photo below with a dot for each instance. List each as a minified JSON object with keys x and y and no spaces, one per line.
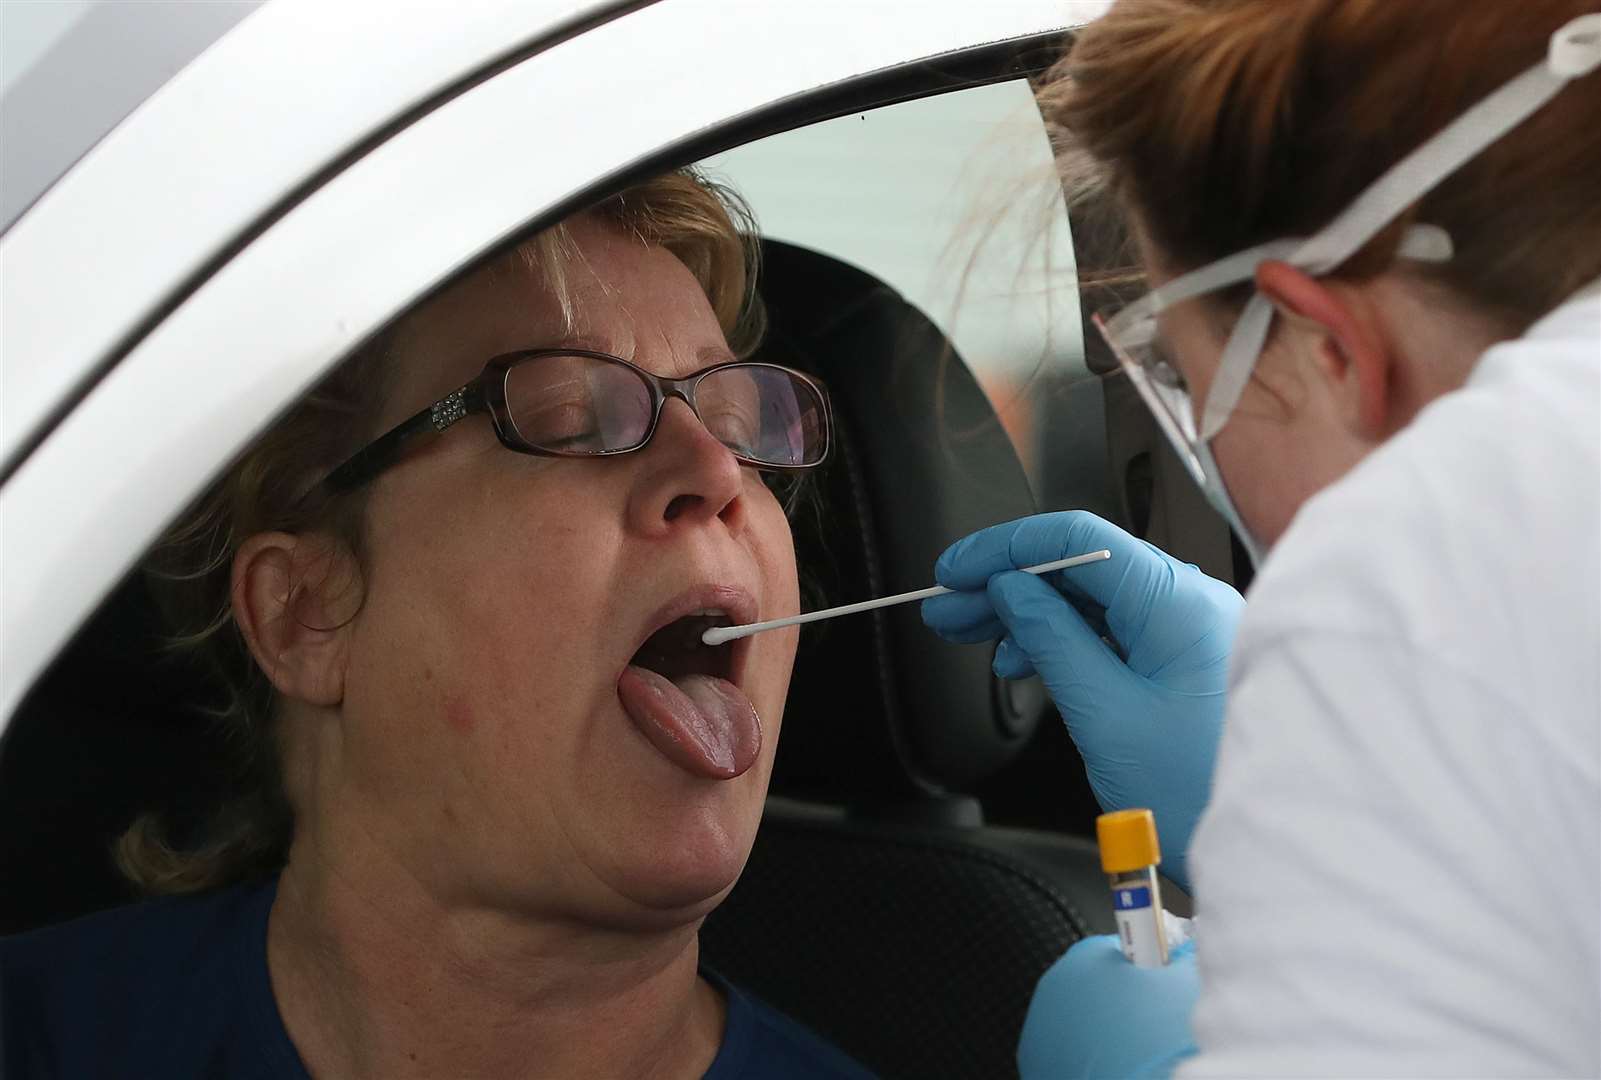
{"x":1195,"y":352}
{"x":774,"y":547}
{"x":1270,"y":463}
{"x":773,"y":653}
{"x":498,"y":601}
{"x":1259,"y":450}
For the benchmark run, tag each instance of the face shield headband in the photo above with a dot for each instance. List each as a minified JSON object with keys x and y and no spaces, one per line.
{"x":1575,"y":51}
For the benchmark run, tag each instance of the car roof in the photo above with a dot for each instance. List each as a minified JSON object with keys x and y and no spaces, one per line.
{"x":51,"y":114}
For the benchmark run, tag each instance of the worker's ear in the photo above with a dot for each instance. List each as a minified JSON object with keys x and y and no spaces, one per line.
{"x":294,"y":599}
{"x":1352,"y":357}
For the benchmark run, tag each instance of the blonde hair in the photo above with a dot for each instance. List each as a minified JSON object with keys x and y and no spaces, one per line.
{"x":1221,"y":124}
{"x":704,"y":224}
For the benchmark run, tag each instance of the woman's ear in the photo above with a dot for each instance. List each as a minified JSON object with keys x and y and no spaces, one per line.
{"x":1355,"y":362}
{"x":294,"y":598}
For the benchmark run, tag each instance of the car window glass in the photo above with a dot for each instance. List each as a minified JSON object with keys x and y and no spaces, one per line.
{"x":952,"y":201}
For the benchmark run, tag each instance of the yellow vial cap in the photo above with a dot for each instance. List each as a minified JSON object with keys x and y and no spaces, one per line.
{"x":1128,"y":840}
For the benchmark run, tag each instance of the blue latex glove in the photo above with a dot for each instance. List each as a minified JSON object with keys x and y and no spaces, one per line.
{"x":1096,"y":1014}
{"x":1148,"y":725}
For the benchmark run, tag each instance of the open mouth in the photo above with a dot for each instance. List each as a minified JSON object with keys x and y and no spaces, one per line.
{"x":676,"y":649}
{"x":682,"y":695}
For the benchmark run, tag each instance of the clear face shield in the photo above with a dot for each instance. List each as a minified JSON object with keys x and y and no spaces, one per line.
{"x":1132,"y":333}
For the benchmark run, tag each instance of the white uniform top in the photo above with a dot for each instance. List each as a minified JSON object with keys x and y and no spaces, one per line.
{"x":1399,"y":873}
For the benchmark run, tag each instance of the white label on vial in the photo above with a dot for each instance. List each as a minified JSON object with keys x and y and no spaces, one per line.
{"x":1139,"y":926}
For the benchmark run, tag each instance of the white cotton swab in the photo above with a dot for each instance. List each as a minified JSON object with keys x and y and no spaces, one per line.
{"x":719,"y":634}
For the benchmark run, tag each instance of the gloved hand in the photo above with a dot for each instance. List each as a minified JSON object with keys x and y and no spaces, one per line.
{"x":1096,"y":1014}
{"x":1148,"y":725}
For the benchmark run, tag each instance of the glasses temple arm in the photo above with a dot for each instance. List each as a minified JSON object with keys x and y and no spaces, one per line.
{"x":382,"y":452}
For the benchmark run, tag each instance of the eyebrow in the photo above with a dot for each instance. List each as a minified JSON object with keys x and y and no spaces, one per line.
{"x":585,"y":341}
{"x":705,"y":356}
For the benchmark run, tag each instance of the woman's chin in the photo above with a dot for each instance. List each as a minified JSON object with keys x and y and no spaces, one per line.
{"x":686,"y":874}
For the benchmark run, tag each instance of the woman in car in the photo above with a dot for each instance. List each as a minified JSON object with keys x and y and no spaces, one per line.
{"x":1374,"y":233}
{"x":499,"y":781}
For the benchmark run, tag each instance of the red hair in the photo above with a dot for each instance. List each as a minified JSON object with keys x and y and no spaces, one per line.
{"x":1221,"y":124}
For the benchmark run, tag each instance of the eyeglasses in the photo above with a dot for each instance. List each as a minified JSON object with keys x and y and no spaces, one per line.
{"x":583,"y":404}
{"x":1139,"y":353}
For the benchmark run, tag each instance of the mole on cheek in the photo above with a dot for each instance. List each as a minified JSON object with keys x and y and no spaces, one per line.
{"x":459,"y":715}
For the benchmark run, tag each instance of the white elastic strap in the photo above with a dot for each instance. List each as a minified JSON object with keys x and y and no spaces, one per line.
{"x":1428,"y":243}
{"x":1241,"y":266}
{"x":1575,"y":50}
{"x":1424,"y":243}
{"x":1234,"y":369}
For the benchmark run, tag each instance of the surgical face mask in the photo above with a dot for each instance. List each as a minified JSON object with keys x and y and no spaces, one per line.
{"x":1132,"y":332}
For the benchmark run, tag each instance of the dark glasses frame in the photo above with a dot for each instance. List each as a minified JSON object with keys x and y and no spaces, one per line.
{"x":487,"y":393}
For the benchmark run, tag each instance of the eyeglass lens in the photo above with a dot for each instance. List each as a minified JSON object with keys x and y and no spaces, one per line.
{"x":1163,"y":391}
{"x":585,"y":405}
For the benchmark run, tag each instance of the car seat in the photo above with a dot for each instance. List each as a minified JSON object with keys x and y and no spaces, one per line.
{"x":877,"y":906}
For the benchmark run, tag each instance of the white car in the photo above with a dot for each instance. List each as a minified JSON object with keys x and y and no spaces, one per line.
{"x":242,"y":194}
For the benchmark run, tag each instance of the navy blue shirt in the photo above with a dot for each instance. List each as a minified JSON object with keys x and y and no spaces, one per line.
{"x":179,"y":988}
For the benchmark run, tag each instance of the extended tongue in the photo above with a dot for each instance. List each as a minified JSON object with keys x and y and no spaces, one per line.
{"x":701,"y":723}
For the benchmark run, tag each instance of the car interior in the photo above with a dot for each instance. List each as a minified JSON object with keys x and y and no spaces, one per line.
{"x":927,"y":848}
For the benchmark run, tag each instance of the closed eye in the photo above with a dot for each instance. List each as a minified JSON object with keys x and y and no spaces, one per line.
{"x":558,"y":426}
{"x":732,"y":425}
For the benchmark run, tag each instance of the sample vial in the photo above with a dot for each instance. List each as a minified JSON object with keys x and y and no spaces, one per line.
{"x":1130,"y":856}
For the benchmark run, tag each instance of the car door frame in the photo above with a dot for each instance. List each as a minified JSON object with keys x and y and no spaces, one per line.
{"x":88,"y":499}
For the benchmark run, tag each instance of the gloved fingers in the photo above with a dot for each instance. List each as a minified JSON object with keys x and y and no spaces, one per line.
{"x":962,"y":617}
{"x":1078,"y":667}
{"x":1029,"y":541}
{"x":1011,"y":662}
{"x":1096,"y":1014}
{"x":1151,"y":605}
{"x":1045,"y":537}
{"x":1094,"y":617}
{"x":976,"y":557}
{"x":1100,"y":956}
{"x":1124,"y":586}
{"x":1095,"y":953}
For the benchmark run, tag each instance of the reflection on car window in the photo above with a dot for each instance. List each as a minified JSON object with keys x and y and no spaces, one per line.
{"x":952,"y":201}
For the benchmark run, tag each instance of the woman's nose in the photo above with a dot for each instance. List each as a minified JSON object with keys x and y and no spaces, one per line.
{"x":688,"y":477}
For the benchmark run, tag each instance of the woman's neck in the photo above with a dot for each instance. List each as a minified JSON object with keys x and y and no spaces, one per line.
{"x":410,"y":987}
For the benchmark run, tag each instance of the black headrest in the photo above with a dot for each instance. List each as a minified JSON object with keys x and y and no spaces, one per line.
{"x":879,"y":708}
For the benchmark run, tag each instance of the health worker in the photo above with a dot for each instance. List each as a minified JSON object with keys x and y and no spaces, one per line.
{"x":1373,"y":234}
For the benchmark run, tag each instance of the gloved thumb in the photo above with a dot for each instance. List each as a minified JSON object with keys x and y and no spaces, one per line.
{"x":1080,"y":669}
{"x":1011,"y":662}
